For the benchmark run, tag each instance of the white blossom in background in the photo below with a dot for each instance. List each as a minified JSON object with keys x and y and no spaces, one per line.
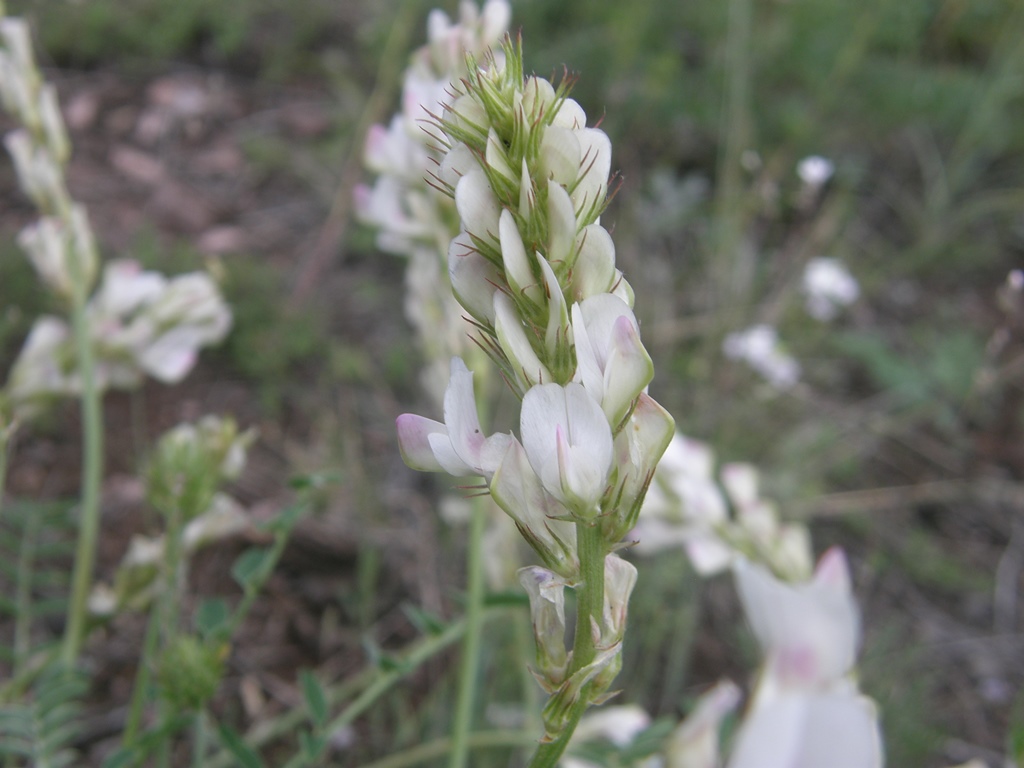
{"x":759,"y":347}
{"x":694,"y":743}
{"x":142,"y":323}
{"x":828,"y":286}
{"x":717,"y":519}
{"x":618,"y":725}
{"x":815,"y":171}
{"x":806,"y":710}
{"x":411,"y":218}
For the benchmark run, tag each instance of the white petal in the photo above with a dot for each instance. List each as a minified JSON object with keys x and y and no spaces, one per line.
{"x":838,"y":730}
{"x":560,"y":155}
{"x":474,"y":279}
{"x":477,"y":205}
{"x":568,"y":442}
{"x":515,"y":344}
{"x":594,"y":269}
{"x":595,"y":166}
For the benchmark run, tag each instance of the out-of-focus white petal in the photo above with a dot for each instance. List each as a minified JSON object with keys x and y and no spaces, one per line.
{"x":809,"y":632}
{"x":804,"y":730}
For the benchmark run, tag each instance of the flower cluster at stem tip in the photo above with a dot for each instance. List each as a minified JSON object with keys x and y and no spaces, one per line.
{"x":535,"y":272}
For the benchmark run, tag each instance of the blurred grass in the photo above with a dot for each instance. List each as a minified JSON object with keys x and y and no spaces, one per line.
{"x":919,"y":104}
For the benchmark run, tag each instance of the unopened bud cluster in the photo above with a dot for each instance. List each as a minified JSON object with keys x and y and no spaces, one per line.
{"x":60,"y":245}
{"x":535,"y":271}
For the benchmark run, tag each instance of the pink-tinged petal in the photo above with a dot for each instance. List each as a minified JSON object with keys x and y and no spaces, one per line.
{"x":480,"y":454}
{"x":628,"y":371}
{"x":809,"y":631}
{"x":170,"y":357}
{"x":414,"y":441}
{"x":375,"y":151}
{"x":741,"y":482}
{"x":833,"y":571}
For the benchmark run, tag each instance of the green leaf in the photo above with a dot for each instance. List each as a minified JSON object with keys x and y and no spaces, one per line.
{"x":250,"y":566}
{"x":234,"y":744}
{"x":315,"y":697}
{"x":212,"y":615}
{"x":312,"y":746}
{"x":424,"y":621}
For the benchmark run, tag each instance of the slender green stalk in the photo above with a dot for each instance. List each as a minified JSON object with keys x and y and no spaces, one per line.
{"x":6,"y":438}
{"x":470,"y":662}
{"x":92,"y":473}
{"x":592,"y":549}
{"x":142,"y":678}
{"x":732,"y":270}
{"x":200,"y":739}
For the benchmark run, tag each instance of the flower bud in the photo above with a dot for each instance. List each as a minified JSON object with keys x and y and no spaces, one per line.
{"x":189,"y":672}
{"x":547,"y":611}
{"x":613,"y":364}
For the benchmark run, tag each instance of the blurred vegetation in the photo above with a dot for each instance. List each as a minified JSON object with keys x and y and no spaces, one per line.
{"x":709,"y":106}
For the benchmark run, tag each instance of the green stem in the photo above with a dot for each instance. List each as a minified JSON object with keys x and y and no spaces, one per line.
{"x":142,"y":677}
{"x":470,"y":665}
{"x":6,"y":438}
{"x":92,"y":473}
{"x":732,"y":270}
{"x":591,"y":547}
{"x":200,"y":738}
